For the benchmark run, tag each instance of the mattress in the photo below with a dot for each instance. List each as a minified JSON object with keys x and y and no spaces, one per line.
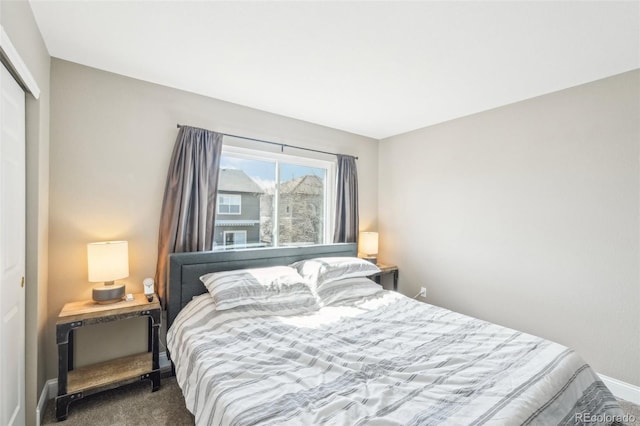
{"x":381,"y":360}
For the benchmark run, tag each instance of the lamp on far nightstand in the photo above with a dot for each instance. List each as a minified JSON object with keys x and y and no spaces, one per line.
{"x":108,"y":261}
{"x":368,"y":246}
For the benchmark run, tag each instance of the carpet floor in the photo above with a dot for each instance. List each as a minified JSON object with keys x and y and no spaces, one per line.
{"x":136,"y":405}
{"x":130,"y":405}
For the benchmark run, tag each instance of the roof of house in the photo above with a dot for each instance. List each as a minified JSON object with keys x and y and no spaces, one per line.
{"x":234,"y":180}
{"x":308,"y":184}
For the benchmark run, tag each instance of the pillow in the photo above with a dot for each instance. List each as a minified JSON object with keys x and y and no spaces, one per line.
{"x":265,"y":287}
{"x":348,"y":288}
{"x":326,"y":269}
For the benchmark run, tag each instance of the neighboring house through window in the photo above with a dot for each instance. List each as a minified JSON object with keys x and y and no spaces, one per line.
{"x":269,"y":200}
{"x":237,"y":223}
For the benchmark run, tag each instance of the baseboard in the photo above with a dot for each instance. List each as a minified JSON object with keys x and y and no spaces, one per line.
{"x":49,"y":391}
{"x":622,"y":390}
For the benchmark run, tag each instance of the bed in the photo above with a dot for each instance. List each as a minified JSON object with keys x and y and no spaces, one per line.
{"x":383,"y":359}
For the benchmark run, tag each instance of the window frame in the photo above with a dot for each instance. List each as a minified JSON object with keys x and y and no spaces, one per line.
{"x":230,"y":195}
{"x":314,"y":160}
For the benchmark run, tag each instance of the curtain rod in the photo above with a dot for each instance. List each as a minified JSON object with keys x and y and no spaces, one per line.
{"x":281,"y":145}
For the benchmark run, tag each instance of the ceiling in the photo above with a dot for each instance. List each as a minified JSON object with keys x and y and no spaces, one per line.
{"x":372,"y":68}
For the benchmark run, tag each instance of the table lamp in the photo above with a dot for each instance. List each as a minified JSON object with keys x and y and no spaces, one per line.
{"x":368,"y":246}
{"x":108,"y":261}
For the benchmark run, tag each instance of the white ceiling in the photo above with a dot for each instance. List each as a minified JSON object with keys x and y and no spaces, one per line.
{"x":372,"y":68}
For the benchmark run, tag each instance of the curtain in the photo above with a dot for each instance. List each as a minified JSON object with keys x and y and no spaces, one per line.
{"x":189,"y":204}
{"x":346,"y":224}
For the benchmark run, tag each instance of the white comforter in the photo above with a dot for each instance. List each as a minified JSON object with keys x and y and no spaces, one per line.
{"x":384,"y":360}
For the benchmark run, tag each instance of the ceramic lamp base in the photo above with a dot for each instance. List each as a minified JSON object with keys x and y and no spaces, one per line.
{"x":108,"y":293}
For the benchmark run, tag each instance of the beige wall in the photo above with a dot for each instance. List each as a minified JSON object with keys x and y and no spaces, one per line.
{"x":111,"y":139}
{"x":18,"y":22}
{"x":527,"y":216}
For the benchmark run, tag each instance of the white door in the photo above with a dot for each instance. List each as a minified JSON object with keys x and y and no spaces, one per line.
{"x":12,"y":250}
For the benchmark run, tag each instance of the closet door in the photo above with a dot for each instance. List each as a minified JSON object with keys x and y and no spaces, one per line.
{"x":12,"y":251}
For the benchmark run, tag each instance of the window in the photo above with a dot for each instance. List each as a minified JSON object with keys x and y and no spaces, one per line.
{"x":235,"y":239}
{"x":229,"y":204}
{"x":286,"y":200}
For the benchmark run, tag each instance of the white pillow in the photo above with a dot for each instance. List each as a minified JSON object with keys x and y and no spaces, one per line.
{"x":326,"y":269}
{"x":276,"y":287}
{"x":348,"y":288}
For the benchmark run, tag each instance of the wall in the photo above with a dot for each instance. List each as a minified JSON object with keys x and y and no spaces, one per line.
{"x":527,"y":216}
{"x":111,"y":140}
{"x":18,"y":22}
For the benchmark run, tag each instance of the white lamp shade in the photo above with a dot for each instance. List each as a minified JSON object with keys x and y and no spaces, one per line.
{"x":108,"y":261}
{"x":368,"y":243}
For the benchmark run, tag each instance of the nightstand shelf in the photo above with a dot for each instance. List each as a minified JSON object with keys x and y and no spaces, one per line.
{"x":76,"y":383}
{"x":96,"y":376}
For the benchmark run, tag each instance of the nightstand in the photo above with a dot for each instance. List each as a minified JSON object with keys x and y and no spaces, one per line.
{"x":385,"y":270}
{"x":74,"y":384}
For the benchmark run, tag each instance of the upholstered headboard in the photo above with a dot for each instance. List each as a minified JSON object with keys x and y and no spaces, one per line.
{"x":185,"y":269}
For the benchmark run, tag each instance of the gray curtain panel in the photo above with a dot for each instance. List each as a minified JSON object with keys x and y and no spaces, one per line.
{"x":346,"y":229}
{"x":189,"y":205}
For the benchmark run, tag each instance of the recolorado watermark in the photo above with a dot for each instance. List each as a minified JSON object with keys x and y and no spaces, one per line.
{"x":588,"y":418}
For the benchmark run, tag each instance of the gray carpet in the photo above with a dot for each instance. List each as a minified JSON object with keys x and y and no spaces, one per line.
{"x":129,"y":405}
{"x":135,"y":404}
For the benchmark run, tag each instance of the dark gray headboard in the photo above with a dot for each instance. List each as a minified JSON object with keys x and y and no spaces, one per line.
{"x":185,"y":269}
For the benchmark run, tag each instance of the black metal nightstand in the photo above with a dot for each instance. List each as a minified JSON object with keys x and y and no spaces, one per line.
{"x":74,"y":384}
{"x":385,"y":270}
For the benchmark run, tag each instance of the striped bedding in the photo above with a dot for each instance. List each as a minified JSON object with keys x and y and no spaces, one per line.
{"x":381,"y":360}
